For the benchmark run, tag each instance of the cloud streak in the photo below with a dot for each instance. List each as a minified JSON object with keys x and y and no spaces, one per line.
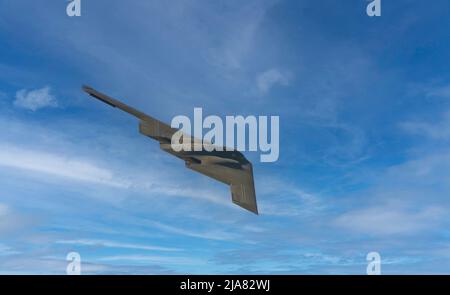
{"x":155,"y":259}
{"x":59,"y":166}
{"x":112,"y":244}
{"x":438,"y":130}
{"x":389,"y":220}
{"x":217,"y":235}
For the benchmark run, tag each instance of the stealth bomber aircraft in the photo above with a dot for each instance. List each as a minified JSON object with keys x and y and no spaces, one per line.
{"x":224,"y":165}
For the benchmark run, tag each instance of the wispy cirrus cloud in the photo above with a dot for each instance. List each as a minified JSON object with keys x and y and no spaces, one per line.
{"x":155,"y":259}
{"x":290,"y":200}
{"x":7,"y":251}
{"x":405,"y":199}
{"x":26,"y":264}
{"x":53,"y":155}
{"x":57,"y":165}
{"x":72,"y":168}
{"x":113,"y":244}
{"x":433,"y":130}
{"x":11,"y":221}
{"x":218,"y":235}
{"x":442,"y":91}
{"x":230,"y":52}
{"x":386,"y":219}
{"x":437,"y":127}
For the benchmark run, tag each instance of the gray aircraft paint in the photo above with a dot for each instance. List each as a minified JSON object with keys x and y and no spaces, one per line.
{"x":227,"y":166}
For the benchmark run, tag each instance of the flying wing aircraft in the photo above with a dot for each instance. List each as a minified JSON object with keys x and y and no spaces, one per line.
{"x":229,"y":167}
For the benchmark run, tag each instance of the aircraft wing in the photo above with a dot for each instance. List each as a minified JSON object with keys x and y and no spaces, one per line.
{"x":156,"y":129}
{"x":238,"y":175}
{"x":229,"y":167}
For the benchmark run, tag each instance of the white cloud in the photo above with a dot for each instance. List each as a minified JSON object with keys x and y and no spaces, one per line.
{"x":389,"y":220}
{"x":35,"y":264}
{"x":237,"y":41}
{"x":411,"y":198}
{"x":440,"y":92}
{"x":50,"y":153}
{"x":3,"y":210}
{"x":112,"y":244}
{"x":6,"y":250}
{"x":61,"y":166}
{"x":217,"y":235}
{"x":437,"y":130}
{"x":281,"y":198}
{"x":173,"y":260}
{"x":150,"y":181}
{"x":270,"y":78}
{"x":35,"y":99}
{"x":167,"y":188}
{"x":11,"y":221}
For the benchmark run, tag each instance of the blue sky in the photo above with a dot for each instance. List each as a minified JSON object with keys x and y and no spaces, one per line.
{"x":364,"y":106}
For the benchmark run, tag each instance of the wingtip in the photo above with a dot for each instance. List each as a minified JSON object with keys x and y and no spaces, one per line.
{"x":253,"y":209}
{"x":86,"y":88}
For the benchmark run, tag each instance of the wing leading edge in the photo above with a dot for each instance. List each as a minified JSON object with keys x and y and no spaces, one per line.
{"x":229,"y":167}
